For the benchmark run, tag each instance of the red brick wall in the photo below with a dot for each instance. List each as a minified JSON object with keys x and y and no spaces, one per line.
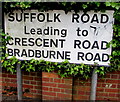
{"x":31,"y":82}
{"x":49,"y":86}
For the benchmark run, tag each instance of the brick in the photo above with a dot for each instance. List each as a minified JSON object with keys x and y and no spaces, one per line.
{"x":39,"y":91}
{"x":114,"y":76}
{"x":27,"y":86}
{"x":13,"y":80}
{"x":37,"y":87}
{"x":26,"y":73}
{"x":68,"y":91}
{"x":62,"y":81}
{"x":33,"y":73}
{"x":81,"y":92}
{"x":11,"y":76}
{"x":37,"y":79}
{"x":100,"y":89}
{"x":57,"y":80}
{"x":46,"y":97}
{"x":38,"y":97}
{"x":27,"y":78}
{"x":49,"y":84}
{"x":62,"y":90}
{"x":45,"y":88}
{"x":50,"y":89}
{"x":108,"y":76}
{"x":51,"y":80}
{"x":12,"y":84}
{"x":118,"y":86}
{"x":26,"y":82}
{"x":102,"y":94}
{"x":82,"y":88}
{"x":111,"y":90}
{"x":46,"y":79}
{"x":33,"y":91}
{"x":101,"y":80}
{"x":112,"y":95}
{"x":38,"y":83}
{"x":33,"y":82}
{"x":7,"y":80}
{"x":4,"y":84}
{"x":64,"y":86}
{"x":68,"y":81}
{"x":89,"y":84}
{"x":76,"y":83}
{"x":64,"y":95}
{"x":81,"y":97}
{"x":112,"y":81}
{"x":49,"y":93}
{"x":28,"y":95}
{"x":56,"y":89}
{"x":39,"y":74}
{"x":50,"y":75}
{"x":4,"y":75}
{"x":100,"y":98}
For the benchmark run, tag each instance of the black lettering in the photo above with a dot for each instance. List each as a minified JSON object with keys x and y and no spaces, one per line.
{"x":52,"y":54}
{"x":30,"y":53}
{"x":86,"y":44}
{"x":46,"y":31}
{"x":52,"y":42}
{"x":11,"y":17}
{"x":25,"y":16}
{"x":80,"y":56}
{"x":16,"y":52}
{"x":67,"y":55}
{"x":41,"y":17}
{"x":48,"y":18}
{"x":19,"y":18}
{"x":75,"y":17}
{"x":31,"y":41}
{"x":63,"y":32}
{"x":105,"y":57}
{"x":25,"y":31}
{"x":45,"y":55}
{"x":95,"y":18}
{"x":33,"y":16}
{"x":32,"y":31}
{"x":104,"y":45}
{"x":95,"y":45}
{"x":24,"y":42}
{"x":84,"y":32}
{"x":37,"y":53}
{"x":87,"y":18}
{"x":77,"y":43}
{"x":97,"y":57}
{"x":24,"y":53}
{"x":78,"y":31}
{"x":89,"y":56}
{"x":60,"y":55}
{"x":17,"y":41}
{"x":9,"y":42}
{"x":104,"y":18}
{"x":10,"y":52}
{"x":39,"y":31}
{"x":61,"y":42}
{"x":56,"y":17}
{"x":46,"y":42}
{"x":38,"y":43}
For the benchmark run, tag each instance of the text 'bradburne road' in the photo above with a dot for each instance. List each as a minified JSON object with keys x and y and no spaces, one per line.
{"x":56,"y":36}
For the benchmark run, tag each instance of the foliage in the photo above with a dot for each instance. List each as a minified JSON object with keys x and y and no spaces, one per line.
{"x":65,"y":68}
